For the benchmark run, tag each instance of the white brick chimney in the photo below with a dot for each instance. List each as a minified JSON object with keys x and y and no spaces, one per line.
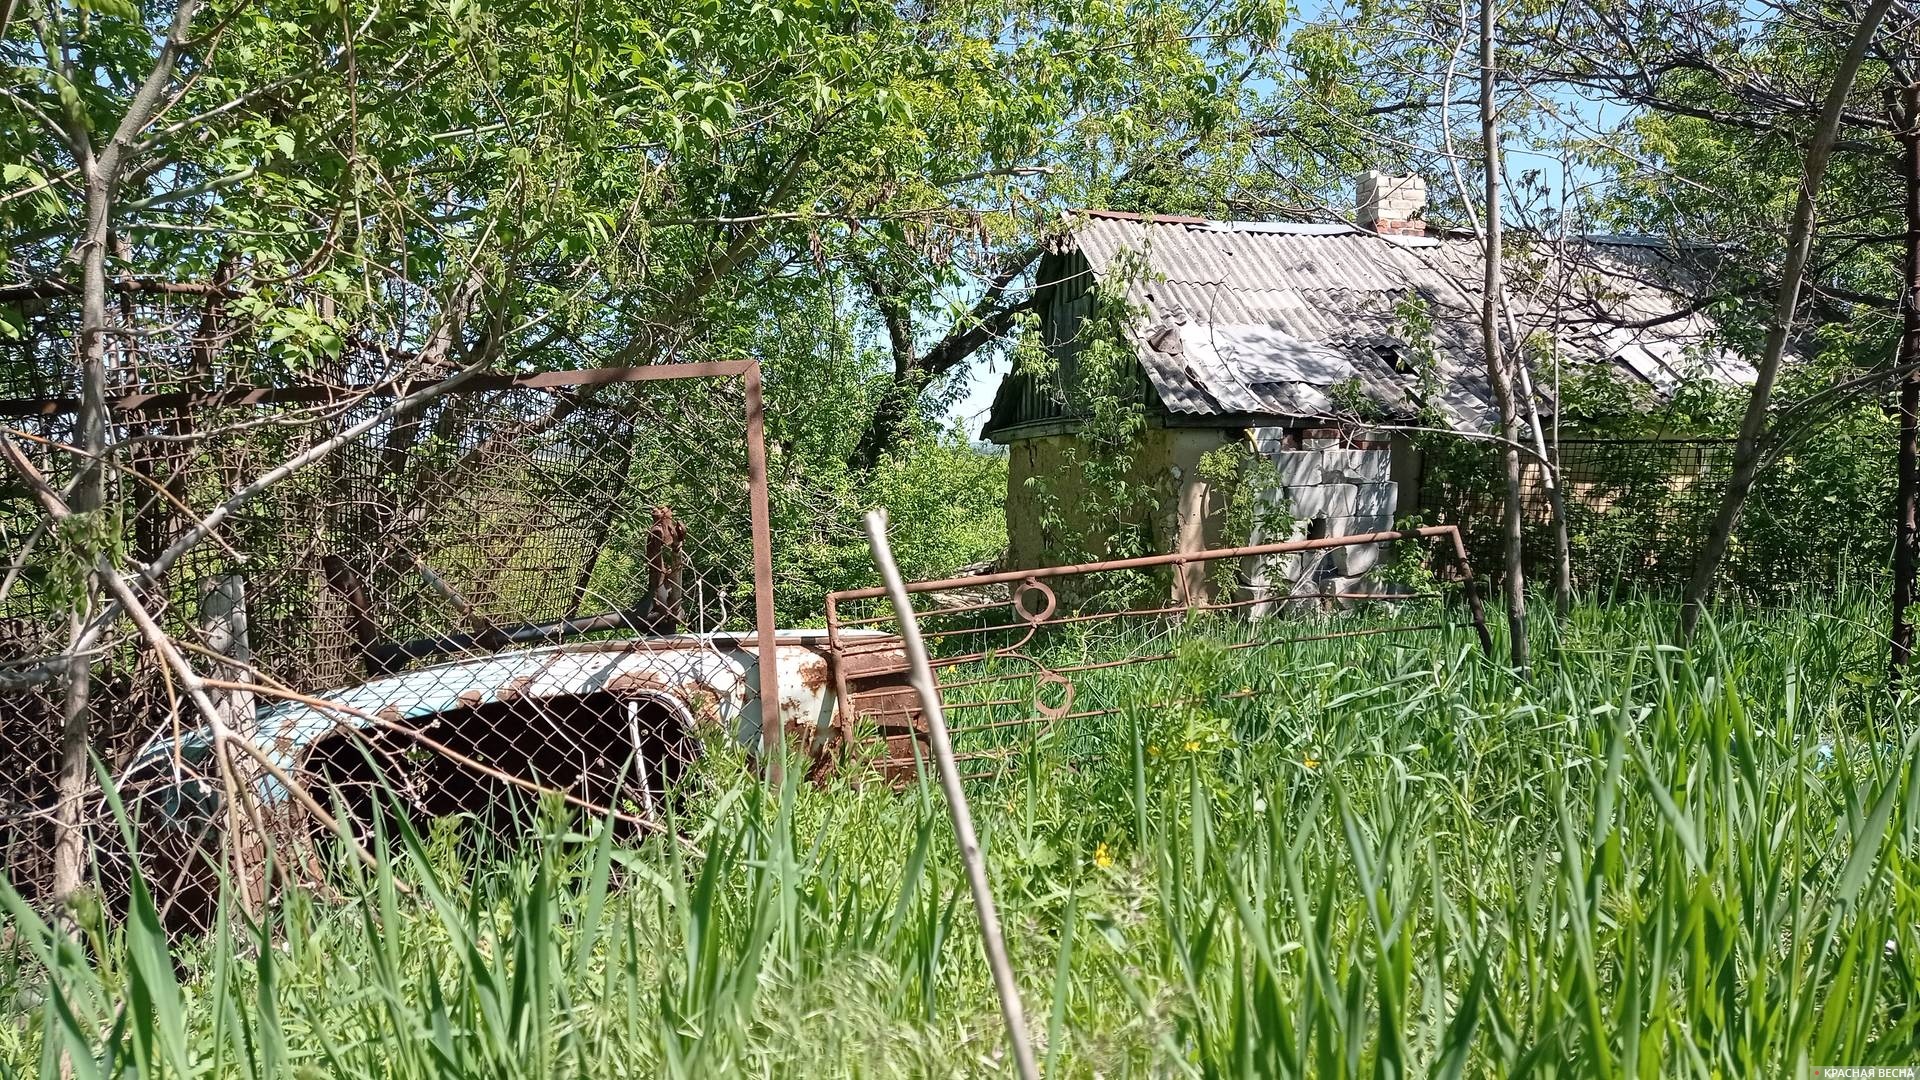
{"x":1390,"y":205}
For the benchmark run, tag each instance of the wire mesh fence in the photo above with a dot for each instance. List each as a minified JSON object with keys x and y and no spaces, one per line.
{"x":1638,"y":508}
{"x":1635,"y":506}
{"x":410,"y":577}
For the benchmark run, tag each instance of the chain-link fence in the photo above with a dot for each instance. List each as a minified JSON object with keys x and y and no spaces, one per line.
{"x":1637,"y":508}
{"x":409,"y":575}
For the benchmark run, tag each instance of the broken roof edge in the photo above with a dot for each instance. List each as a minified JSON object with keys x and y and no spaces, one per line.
{"x":1270,"y":228}
{"x":1130,"y":215}
{"x":1436,"y":234}
{"x":1162,"y":414}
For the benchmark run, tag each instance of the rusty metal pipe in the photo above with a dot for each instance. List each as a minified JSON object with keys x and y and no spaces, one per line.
{"x":1173,"y":559}
{"x":389,"y":657}
{"x":1228,"y":605}
{"x":1473,"y":592}
{"x":772,"y":740}
{"x":318,"y":394}
{"x":1102,"y":665}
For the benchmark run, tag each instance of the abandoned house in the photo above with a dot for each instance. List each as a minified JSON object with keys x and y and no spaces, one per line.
{"x":1318,"y":345}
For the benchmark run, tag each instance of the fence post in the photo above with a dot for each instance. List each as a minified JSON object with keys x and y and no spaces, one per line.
{"x":772,"y":738}
{"x":1472,"y":590}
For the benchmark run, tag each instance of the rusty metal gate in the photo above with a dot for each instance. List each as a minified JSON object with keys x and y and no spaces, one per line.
{"x":508,"y":513}
{"x":1029,"y":650}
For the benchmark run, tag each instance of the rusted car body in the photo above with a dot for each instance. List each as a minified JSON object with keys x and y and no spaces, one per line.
{"x":605,"y":725}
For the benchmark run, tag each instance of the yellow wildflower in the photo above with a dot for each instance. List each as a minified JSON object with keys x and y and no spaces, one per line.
{"x":1192,"y":745}
{"x":1152,"y":750}
{"x":1310,"y":762}
{"x":1102,"y":858}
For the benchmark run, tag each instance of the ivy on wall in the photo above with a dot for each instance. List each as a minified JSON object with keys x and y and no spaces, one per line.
{"x":1096,"y":379}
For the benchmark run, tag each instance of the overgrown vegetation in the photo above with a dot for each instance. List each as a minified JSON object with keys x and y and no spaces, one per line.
{"x":945,"y":496}
{"x":1398,"y":860}
{"x":1097,"y":504}
{"x":1378,"y":856}
{"x":1645,"y":477}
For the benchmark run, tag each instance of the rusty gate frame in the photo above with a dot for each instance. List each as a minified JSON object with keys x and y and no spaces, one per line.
{"x":747,"y":371}
{"x":881,"y":659}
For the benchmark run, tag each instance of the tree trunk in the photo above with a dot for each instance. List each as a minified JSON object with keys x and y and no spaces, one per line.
{"x":1753,"y":427}
{"x":1549,"y":461}
{"x":913,"y":371}
{"x":1499,"y":374}
{"x":891,"y":419}
{"x":1550,"y":480}
{"x":100,"y":168}
{"x":89,"y":496}
{"x":1906,"y":535}
{"x":70,"y":782}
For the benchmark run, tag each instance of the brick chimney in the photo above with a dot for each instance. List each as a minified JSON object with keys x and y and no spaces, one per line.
{"x":1390,"y":205}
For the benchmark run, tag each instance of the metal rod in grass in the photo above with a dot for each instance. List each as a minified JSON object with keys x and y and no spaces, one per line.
{"x":921,"y":672}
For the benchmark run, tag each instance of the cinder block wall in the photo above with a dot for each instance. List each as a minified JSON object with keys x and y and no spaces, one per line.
{"x":1331,"y":487}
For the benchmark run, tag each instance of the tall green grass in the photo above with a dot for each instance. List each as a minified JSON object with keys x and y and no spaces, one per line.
{"x":1400,"y":860}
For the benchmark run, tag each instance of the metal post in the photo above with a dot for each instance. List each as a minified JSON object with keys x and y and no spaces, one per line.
{"x":842,"y":718}
{"x":970,"y":858}
{"x":1473,"y":592}
{"x":772,"y":739}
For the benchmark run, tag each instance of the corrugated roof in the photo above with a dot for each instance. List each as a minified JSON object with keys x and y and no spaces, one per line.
{"x":1272,"y":317}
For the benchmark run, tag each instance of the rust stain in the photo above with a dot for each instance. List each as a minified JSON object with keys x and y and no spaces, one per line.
{"x":890,"y":709}
{"x":636,"y":681}
{"x":471,"y":698}
{"x":515,"y":688}
{"x":813,"y":675}
{"x":700,"y":699}
{"x":702,"y":702}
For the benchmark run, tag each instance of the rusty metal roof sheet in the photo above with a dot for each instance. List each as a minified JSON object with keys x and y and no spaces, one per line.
{"x":1276,"y":318}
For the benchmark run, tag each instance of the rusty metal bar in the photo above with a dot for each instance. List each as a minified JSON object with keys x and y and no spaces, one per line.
{"x":1230,"y":605}
{"x":1103,"y":665}
{"x":1468,"y":586}
{"x":772,"y":739}
{"x":868,"y":672}
{"x":1173,"y":559}
{"x":390,"y":656}
{"x":996,"y":702}
{"x":842,"y":715}
{"x":971,"y":857}
{"x":883,"y":645}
